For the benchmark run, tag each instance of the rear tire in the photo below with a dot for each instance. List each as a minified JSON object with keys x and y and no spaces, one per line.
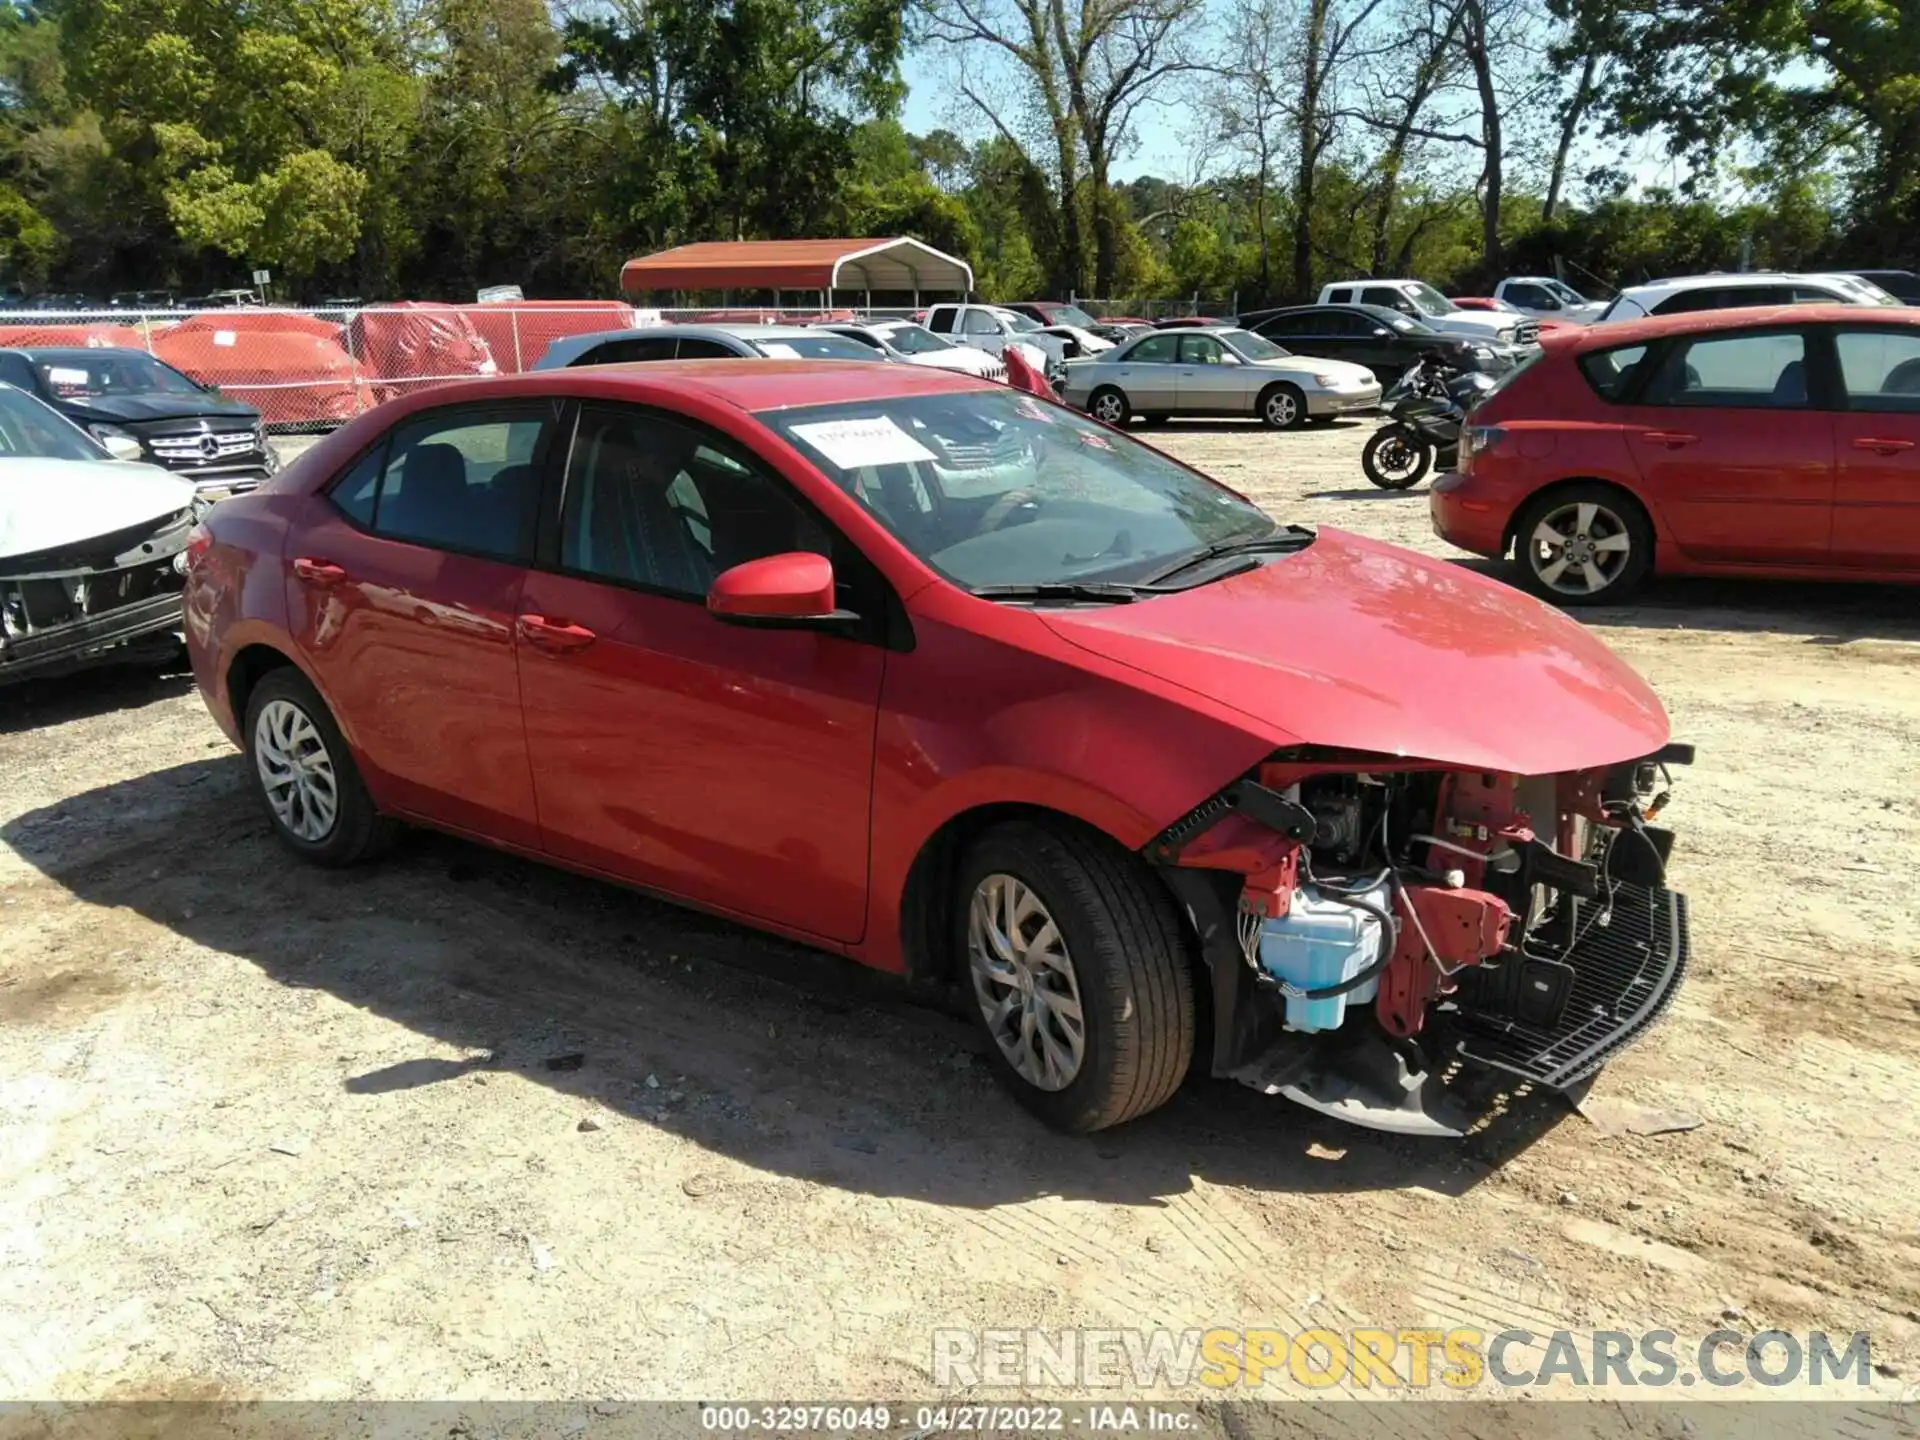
{"x":305,"y":776}
{"x":1599,"y":531}
{"x":1282,"y":407}
{"x":1109,"y":406}
{"x":1054,"y":922}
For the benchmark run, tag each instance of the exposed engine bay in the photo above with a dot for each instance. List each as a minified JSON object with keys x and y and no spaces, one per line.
{"x":1388,"y":925}
{"x":95,"y":600}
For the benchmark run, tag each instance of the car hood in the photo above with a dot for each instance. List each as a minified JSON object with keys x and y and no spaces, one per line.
{"x":138,"y":409}
{"x":1481,"y":324}
{"x":1364,"y":646}
{"x":967,"y":361}
{"x":51,"y":504}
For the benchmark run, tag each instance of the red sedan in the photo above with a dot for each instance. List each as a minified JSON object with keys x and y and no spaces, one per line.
{"x":1763,"y":442}
{"x":960,"y":683}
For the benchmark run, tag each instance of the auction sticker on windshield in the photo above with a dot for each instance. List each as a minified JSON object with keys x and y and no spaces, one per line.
{"x":855,"y":444}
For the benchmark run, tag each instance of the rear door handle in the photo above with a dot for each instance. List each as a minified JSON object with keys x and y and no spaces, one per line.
{"x":318,"y":572}
{"x":1882,"y":445}
{"x":1672,"y":439}
{"x":556,"y":637}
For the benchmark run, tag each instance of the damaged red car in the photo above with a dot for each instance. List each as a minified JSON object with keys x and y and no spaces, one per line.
{"x":959,"y":683}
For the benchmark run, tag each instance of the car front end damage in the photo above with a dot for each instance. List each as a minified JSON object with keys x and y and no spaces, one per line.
{"x":101,"y":600}
{"x":1382,"y":935}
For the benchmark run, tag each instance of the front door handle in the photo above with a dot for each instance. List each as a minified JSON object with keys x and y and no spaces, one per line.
{"x":1882,"y":445}
{"x":556,"y":637}
{"x":1672,"y":439}
{"x":318,"y":572}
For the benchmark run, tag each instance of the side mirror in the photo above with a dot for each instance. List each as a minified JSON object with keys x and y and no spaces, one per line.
{"x":1381,"y":332}
{"x":794,"y":589}
{"x":1547,"y":302}
{"x":123,"y":447}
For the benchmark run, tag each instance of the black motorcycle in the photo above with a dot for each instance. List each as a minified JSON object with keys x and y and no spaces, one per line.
{"x":1428,"y":404}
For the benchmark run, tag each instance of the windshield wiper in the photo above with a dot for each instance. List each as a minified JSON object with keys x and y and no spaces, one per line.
{"x":1280,"y":541}
{"x":1100,"y":592}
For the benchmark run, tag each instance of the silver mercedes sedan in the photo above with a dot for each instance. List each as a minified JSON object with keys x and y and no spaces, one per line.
{"x":1216,"y":372}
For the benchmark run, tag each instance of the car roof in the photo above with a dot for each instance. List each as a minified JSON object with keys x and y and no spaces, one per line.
{"x":1615,"y":333}
{"x":1734,"y":279}
{"x":71,"y":352}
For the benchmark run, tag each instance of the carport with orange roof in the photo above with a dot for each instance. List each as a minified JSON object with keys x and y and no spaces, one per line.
{"x":901,"y":266}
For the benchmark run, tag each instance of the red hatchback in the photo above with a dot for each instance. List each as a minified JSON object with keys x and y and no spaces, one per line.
{"x":957,"y":682}
{"x":1763,"y":442}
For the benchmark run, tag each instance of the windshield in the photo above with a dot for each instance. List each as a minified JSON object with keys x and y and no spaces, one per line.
{"x":1073,"y":315}
{"x":1565,"y":294}
{"x":1249,"y":346}
{"x":998,"y":488}
{"x":1406,"y":325}
{"x":1427,"y":300}
{"x":912,"y":340}
{"x":73,"y":377}
{"x":814,"y":347}
{"x":1022,"y":325}
{"x":30,"y":429}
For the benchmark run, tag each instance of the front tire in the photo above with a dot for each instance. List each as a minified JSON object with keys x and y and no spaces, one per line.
{"x":305,"y":775}
{"x":1586,"y":544}
{"x":1396,"y":458}
{"x":1076,"y":966}
{"x":1109,"y":406}
{"x":1283,"y":407}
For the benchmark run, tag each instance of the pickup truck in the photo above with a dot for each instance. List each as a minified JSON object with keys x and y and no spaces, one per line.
{"x":1545,"y":298}
{"x":993,"y":327}
{"x":1419,"y":300}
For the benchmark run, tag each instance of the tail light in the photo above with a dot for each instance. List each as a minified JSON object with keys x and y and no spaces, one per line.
{"x":1477,"y":440}
{"x":199,"y":542}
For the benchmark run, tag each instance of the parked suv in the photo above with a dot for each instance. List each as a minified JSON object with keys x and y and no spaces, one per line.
{"x":1777,"y":442}
{"x":142,"y":409}
{"x":994,"y":327}
{"x":1722,"y":292}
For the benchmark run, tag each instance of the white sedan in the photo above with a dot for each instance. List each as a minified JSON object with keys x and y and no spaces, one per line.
{"x":1216,"y":372}
{"x":917,"y":345}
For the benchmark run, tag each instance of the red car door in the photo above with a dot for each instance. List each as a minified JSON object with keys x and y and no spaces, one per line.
{"x":1734,"y":455}
{"x":1876,"y":500}
{"x":404,"y":592}
{"x":725,"y":765}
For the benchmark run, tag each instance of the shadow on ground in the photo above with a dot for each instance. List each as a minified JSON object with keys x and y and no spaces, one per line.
{"x":786,"y":1059}
{"x":1821,"y":613}
{"x":32,"y":704}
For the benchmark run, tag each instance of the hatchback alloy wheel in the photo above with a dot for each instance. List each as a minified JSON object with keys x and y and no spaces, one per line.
{"x":1581,"y":548}
{"x":295,"y":770}
{"x":1024,"y":981}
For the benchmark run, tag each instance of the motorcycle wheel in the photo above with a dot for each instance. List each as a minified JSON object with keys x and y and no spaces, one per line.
{"x":1396,"y":458}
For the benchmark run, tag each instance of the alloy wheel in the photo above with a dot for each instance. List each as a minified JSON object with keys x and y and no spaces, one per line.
{"x":1282,"y":409}
{"x":296,"y":771}
{"x":1109,"y":409}
{"x":1024,"y":981}
{"x":1579,"y":549}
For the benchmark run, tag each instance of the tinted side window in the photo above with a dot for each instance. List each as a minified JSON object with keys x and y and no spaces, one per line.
{"x":1758,"y":371}
{"x":692,"y":347}
{"x":1533,"y":295}
{"x":1341,"y":296}
{"x":15,"y":370}
{"x":1880,"y":369}
{"x":623,"y":352}
{"x":1154,"y":350}
{"x":464,"y":480}
{"x":1611,"y":371}
{"x":940,"y":322}
{"x":1292,"y":325}
{"x":354,"y":493}
{"x":660,"y":505}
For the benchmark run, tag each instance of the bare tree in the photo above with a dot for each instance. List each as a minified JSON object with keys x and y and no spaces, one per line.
{"x":1090,"y":64}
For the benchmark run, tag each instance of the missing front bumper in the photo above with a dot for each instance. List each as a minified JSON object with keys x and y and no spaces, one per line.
{"x":100,"y":640}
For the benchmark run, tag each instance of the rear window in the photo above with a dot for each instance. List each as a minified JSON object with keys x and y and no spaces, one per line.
{"x":1609,"y":372}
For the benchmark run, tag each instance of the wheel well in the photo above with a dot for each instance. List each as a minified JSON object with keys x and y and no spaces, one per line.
{"x":1513,"y":523}
{"x":926,"y":904}
{"x":248,"y":669}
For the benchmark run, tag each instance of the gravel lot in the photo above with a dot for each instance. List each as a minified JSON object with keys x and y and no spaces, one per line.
{"x":275,"y":1132}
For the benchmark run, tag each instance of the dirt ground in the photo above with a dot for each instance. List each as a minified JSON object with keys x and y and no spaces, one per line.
{"x":272,"y":1132}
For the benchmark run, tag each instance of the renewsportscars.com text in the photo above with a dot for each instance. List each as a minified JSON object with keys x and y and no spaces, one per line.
{"x":1416,"y":1359}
